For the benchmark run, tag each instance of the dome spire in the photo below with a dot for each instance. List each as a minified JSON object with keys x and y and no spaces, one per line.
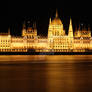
{"x":56,"y":13}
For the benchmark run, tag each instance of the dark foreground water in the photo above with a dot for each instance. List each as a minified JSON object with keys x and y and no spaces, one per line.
{"x":46,"y":73}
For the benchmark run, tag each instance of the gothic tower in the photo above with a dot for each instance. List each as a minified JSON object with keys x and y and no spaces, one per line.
{"x":70,"y":33}
{"x":50,"y":29}
{"x":56,"y":27}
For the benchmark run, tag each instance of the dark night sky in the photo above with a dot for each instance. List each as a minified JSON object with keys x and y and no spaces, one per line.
{"x":41,"y":11}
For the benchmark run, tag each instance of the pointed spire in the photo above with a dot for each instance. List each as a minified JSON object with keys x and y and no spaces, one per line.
{"x":24,"y":29}
{"x":8,"y":31}
{"x":70,"y":29}
{"x":70,"y":26}
{"x":50,"y":21}
{"x":70,"y":21}
{"x":79,"y":27}
{"x":34,"y":25}
{"x":24,"y":25}
{"x":56,"y":13}
{"x":76,"y":28}
{"x":35,"y":29}
{"x":89,"y":28}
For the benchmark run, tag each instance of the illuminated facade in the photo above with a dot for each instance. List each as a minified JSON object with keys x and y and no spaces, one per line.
{"x":56,"y":41}
{"x":5,"y":41}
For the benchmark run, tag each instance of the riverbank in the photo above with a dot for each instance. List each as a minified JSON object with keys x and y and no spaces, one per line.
{"x":45,"y":53}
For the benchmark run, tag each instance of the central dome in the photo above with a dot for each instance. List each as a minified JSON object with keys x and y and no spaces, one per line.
{"x":56,"y":21}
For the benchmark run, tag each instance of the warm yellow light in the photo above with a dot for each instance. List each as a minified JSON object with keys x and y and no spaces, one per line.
{"x":57,"y":40}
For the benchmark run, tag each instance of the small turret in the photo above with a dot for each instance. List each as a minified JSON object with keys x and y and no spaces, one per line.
{"x":79,"y":31}
{"x":24,"y":29}
{"x":24,"y":25}
{"x":89,"y":30}
{"x":8,"y":31}
{"x":35,"y":30}
{"x":34,"y":25}
{"x":50,"y":21}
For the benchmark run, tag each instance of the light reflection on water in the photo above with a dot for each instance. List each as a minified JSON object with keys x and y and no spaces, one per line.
{"x":57,"y":73}
{"x":46,"y":58}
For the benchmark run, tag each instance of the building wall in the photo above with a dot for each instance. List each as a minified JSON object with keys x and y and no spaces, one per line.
{"x":5,"y":42}
{"x":57,"y":40}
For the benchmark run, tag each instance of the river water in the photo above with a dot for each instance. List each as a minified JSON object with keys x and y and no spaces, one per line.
{"x":37,"y":73}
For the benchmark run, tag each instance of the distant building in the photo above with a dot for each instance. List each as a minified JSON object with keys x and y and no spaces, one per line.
{"x":57,"y":40}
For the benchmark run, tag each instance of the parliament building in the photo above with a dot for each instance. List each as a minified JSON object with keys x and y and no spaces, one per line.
{"x":57,"y":40}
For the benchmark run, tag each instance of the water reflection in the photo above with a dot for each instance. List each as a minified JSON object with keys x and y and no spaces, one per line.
{"x":46,"y":58}
{"x":46,"y":74}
